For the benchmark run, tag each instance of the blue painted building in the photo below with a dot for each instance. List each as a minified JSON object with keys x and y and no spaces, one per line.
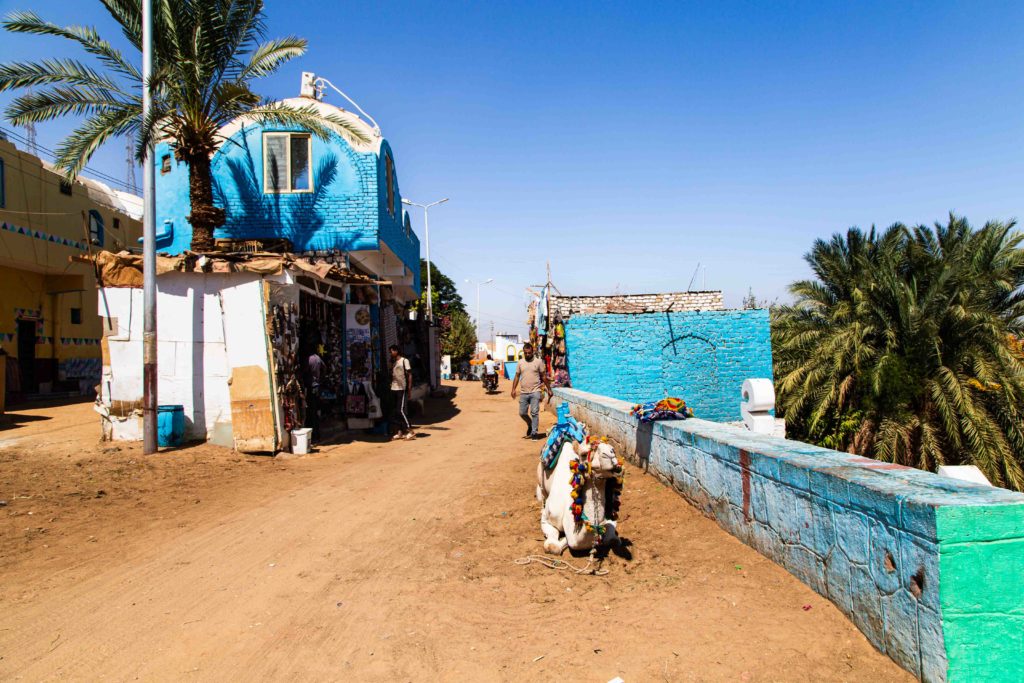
{"x":699,"y":356}
{"x":331,"y":195}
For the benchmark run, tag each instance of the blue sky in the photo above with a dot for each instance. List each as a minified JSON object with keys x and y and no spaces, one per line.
{"x":626,"y":142}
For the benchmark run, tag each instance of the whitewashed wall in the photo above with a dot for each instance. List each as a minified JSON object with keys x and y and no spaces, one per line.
{"x":192,"y":353}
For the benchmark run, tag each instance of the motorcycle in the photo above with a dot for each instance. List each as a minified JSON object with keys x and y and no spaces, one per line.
{"x":490,"y":383}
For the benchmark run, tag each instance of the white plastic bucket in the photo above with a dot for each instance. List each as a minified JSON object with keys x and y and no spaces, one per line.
{"x":300,"y":440}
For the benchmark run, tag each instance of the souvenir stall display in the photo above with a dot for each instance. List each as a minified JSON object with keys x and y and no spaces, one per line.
{"x":556,"y":356}
{"x":283,"y":329}
{"x":359,"y":365}
{"x":321,"y":323}
{"x":547,"y":335}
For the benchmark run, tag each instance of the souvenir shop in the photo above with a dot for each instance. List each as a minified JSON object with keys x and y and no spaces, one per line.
{"x":547,"y":333}
{"x":244,"y":380}
{"x":341,"y":325}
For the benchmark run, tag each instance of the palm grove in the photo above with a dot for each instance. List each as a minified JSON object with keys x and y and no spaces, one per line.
{"x":906,"y":346}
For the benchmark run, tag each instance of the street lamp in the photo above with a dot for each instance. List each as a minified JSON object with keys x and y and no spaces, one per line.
{"x":478,"y":286}
{"x":426,"y":235}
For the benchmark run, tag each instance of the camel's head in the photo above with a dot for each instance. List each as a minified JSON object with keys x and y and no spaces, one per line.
{"x":603,"y":461}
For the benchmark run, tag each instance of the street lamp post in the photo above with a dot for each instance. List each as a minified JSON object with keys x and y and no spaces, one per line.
{"x":478,"y":286}
{"x":426,"y":235}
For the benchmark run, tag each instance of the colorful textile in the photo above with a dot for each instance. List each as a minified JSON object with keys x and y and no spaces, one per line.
{"x":665,"y":409}
{"x":571,"y":429}
{"x":542,"y":313}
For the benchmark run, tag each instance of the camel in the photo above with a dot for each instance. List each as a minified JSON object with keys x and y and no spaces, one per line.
{"x":590,"y":470}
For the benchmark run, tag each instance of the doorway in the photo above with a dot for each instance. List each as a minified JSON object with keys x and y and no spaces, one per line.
{"x":27,"y":356}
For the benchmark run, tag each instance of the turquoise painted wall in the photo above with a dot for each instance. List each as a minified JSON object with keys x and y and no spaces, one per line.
{"x":928,"y":568}
{"x":346,"y":210}
{"x":699,"y":356}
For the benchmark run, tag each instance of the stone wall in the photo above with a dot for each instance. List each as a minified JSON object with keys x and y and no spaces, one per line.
{"x":567,"y":306}
{"x":701,"y":357}
{"x":929,"y":568}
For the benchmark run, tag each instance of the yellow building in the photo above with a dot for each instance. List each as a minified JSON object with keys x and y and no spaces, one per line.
{"x":49,"y":327}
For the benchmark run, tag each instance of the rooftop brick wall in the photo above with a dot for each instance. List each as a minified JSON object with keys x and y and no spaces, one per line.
{"x":928,"y":568}
{"x":567,"y":306}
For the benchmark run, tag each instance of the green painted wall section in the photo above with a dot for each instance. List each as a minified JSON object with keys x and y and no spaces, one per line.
{"x":981,"y":591}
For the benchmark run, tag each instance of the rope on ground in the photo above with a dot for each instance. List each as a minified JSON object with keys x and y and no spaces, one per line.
{"x":558,"y":565}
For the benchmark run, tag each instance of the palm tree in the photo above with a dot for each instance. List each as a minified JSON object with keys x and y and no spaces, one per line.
{"x":904,"y":347}
{"x":206,"y":55}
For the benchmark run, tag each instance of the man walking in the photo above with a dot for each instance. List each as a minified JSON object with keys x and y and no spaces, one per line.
{"x":314,"y":370}
{"x":401,"y":387}
{"x":531,"y":377}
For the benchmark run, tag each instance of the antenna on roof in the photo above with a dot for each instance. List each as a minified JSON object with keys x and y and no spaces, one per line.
{"x":313,"y":86}
{"x":689,"y":286}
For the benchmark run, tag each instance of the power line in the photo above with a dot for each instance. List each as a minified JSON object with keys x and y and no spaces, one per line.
{"x":502,"y":318}
{"x":40,"y":150}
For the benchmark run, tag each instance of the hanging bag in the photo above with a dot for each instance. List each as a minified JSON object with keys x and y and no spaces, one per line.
{"x":356,"y":401}
{"x":373,"y":410}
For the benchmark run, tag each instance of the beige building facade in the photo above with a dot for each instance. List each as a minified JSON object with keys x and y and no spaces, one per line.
{"x":50,"y":330}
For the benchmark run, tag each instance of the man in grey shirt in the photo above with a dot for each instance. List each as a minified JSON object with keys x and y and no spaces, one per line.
{"x":531,"y":377}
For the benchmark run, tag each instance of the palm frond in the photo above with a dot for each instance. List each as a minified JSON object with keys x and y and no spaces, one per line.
{"x":309,"y":118}
{"x":270,"y":56}
{"x":88,"y":38}
{"x":51,"y":72}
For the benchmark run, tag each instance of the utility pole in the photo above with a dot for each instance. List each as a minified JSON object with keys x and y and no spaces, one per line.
{"x":30,"y":134}
{"x":129,"y":160}
{"x":149,"y":370}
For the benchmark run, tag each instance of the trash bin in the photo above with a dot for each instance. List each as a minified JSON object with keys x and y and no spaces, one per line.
{"x":170,"y":425}
{"x":300,"y":440}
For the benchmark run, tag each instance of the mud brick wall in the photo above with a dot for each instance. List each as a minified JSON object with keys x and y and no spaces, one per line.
{"x":567,"y":306}
{"x":699,"y":356}
{"x":928,"y":568}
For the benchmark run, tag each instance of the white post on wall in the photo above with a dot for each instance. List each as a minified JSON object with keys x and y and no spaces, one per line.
{"x":149,"y":354}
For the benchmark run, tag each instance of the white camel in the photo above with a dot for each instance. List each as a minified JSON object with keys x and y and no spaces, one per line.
{"x":595,"y":463}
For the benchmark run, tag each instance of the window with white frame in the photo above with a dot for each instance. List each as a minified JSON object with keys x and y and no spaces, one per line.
{"x":286,"y":162}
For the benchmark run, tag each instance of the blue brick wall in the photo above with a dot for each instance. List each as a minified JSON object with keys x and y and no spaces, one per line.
{"x":700,"y":356}
{"x":347,"y":209}
{"x":926,"y":567}
{"x":393,"y":226}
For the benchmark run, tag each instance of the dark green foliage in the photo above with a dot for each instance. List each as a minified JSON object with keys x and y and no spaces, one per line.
{"x":459,"y":340}
{"x":904,"y":347}
{"x":446,"y":295}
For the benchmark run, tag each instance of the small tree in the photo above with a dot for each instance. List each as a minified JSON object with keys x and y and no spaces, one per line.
{"x":751,"y":301}
{"x":446,"y":295}
{"x":460,"y":340}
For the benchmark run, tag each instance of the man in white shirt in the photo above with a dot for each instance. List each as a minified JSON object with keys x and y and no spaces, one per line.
{"x":491,"y":369}
{"x":401,"y":387}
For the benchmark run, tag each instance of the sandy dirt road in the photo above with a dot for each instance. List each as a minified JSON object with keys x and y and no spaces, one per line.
{"x":374,"y":562}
